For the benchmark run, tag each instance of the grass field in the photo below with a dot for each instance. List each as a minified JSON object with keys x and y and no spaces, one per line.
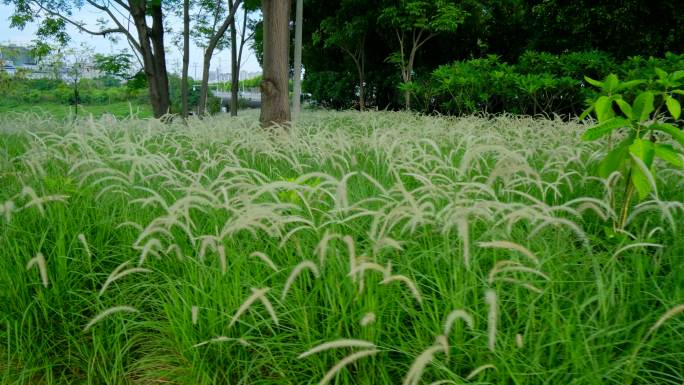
{"x":61,"y":111}
{"x":359,"y":248}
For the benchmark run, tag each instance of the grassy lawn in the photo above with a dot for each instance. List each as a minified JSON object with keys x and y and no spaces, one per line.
{"x":358,"y":248}
{"x":60,"y":111}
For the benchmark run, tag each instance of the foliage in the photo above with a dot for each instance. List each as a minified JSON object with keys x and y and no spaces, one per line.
{"x":331,"y":89}
{"x":138,"y":252}
{"x":540,"y":83}
{"x":644,"y":126}
{"x":119,"y":65}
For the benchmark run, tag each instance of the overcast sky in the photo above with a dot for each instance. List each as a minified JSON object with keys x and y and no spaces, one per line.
{"x":103,"y":45}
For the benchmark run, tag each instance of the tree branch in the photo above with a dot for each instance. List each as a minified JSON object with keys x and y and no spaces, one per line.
{"x":80,"y":26}
{"x":116,"y":21}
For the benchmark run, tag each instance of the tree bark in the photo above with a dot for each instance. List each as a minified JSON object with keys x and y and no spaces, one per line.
{"x":234,"y":75}
{"x":297,"y":89}
{"x":275,"y":106}
{"x":186,"y":58}
{"x":151,"y":41}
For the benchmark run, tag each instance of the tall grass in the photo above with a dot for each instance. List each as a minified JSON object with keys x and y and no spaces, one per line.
{"x":358,"y":248}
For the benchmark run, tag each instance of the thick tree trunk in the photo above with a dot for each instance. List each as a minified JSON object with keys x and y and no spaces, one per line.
{"x":209,"y":53}
{"x":152,"y":51}
{"x":275,"y":106}
{"x":234,"y":75}
{"x":297,"y":89}
{"x":186,"y":58}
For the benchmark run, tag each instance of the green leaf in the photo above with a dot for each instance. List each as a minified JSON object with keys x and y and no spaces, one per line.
{"x":630,"y":84}
{"x":604,"y":108}
{"x":586,"y":113}
{"x":673,"y":131}
{"x":604,"y":128}
{"x":677,"y":75}
{"x":673,"y":106}
{"x":593,"y":82}
{"x":667,"y":153}
{"x":680,"y":92}
{"x":661,"y":74}
{"x":643,"y":149}
{"x":610,"y":83}
{"x":614,"y":159}
{"x":642,"y":179}
{"x":643,"y":106}
{"x":625,"y":108}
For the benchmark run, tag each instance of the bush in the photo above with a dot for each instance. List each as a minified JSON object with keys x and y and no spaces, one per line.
{"x":331,"y":89}
{"x":213,"y":105}
{"x":540,"y":83}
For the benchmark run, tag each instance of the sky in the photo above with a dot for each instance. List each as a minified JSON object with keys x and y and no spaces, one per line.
{"x":103,"y":45}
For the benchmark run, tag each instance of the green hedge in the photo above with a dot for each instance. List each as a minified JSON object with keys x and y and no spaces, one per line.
{"x":540,"y":83}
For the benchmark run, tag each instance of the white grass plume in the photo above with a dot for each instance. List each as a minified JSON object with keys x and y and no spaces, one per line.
{"x":668,"y":314}
{"x":367,"y":319}
{"x":341,"y":343}
{"x":507,"y":245}
{"x":636,"y":245}
{"x":295,"y":272}
{"x":418,"y":366}
{"x":408,"y":282}
{"x":118,"y":274}
{"x":455,"y":315}
{"x":464,"y":235}
{"x":194,"y":313}
{"x":241,"y":341}
{"x":7,"y":209}
{"x":519,"y":341}
{"x":265,"y":259}
{"x":39,"y":260}
{"x":83,"y":241}
{"x":492,"y":318}
{"x":105,"y":313}
{"x":479,"y":370}
{"x":344,"y":362}
{"x":257,"y":294}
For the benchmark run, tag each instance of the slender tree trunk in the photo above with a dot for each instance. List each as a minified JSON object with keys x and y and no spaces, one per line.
{"x":275,"y":106}
{"x":297,"y":91}
{"x":186,"y":58}
{"x":209,"y":53}
{"x":243,"y":39}
{"x":234,"y":75}
{"x":362,"y":80}
{"x":204,"y":87}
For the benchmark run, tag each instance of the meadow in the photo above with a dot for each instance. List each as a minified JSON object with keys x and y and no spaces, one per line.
{"x":61,"y":111}
{"x":356,"y":248}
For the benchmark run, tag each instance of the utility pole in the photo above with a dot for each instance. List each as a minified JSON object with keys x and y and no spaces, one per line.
{"x":297,"y":91}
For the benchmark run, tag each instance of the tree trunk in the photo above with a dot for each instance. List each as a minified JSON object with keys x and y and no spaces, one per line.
{"x":234,"y":75}
{"x":204,"y":87}
{"x":160,"y":60}
{"x":186,"y":58}
{"x":243,"y":38}
{"x":362,"y":92}
{"x":275,"y":106}
{"x":297,"y":91}
{"x":152,"y":51}
{"x":209,"y":53}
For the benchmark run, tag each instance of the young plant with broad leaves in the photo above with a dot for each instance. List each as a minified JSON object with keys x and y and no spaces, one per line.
{"x":644,"y":125}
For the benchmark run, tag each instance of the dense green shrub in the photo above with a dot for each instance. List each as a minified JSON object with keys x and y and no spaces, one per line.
{"x":331,"y":89}
{"x":540,"y":83}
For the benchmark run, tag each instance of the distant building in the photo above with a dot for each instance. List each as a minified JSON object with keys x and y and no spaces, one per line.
{"x":15,"y":57}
